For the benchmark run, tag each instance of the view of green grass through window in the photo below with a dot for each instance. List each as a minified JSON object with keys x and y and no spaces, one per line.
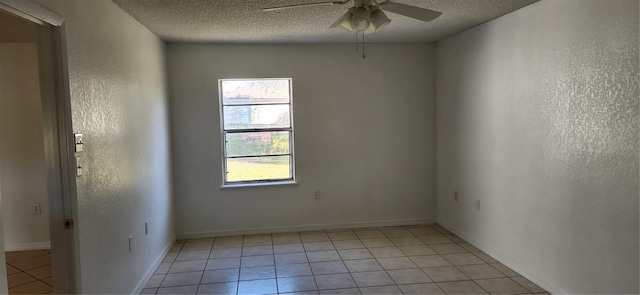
{"x":256,"y":129}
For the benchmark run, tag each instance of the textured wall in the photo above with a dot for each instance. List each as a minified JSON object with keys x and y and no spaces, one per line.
{"x":364,"y":136}
{"x":538,"y":119}
{"x":119,"y":103}
{"x":23,"y":169}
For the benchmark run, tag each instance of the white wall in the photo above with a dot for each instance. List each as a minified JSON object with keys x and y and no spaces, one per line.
{"x":23,"y":169}
{"x":119,"y":102}
{"x":365,"y":136}
{"x":538,"y":119}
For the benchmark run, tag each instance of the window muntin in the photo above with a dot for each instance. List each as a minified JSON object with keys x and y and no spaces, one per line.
{"x":257,"y":116}
{"x":257,"y":130}
{"x":265,"y":168}
{"x":258,"y":143}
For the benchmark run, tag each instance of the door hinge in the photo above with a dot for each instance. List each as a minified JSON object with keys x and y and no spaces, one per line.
{"x":68,"y":223}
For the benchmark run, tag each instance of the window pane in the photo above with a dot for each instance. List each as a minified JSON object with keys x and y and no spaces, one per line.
{"x":262,"y":168}
{"x":257,"y":143}
{"x":255,"y":91}
{"x":252,"y":117}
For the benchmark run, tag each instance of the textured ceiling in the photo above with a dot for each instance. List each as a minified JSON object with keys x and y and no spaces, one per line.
{"x":242,"y":21}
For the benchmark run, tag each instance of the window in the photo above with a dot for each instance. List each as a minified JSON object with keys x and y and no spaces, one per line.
{"x":257,"y":130}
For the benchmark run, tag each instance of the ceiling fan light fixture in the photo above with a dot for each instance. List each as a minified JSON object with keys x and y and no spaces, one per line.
{"x":344,"y":21}
{"x":379,"y":20}
{"x":370,"y":29}
{"x":360,"y":20}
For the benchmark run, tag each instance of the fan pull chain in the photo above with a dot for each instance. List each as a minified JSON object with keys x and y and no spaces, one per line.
{"x":357,"y":46}
{"x":363,"y":56}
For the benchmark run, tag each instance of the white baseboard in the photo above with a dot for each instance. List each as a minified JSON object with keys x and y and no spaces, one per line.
{"x":532,"y":276}
{"x":297,"y":228}
{"x":27,"y":246}
{"x":152,"y":269}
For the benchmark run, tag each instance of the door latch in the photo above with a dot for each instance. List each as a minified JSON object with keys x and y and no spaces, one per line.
{"x":68,"y":223}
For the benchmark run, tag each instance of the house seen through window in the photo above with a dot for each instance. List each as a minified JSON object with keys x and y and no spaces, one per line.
{"x":257,"y":130}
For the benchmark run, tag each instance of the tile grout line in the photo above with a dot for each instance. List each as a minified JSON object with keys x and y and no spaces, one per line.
{"x":25,"y":270}
{"x":440,"y":255}
{"x":35,"y":279}
{"x":240,"y":266}
{"x":205,"y":265}
{"x":345,"y":265}
{"x":457,"y":266}
{"x":165,"y":274}
{"x":275,"y":269}
{"x":488,"y":264}
{"x":368,"y":249}
{"x":309,"y":262}
{"x":472,"y":280}
{"x":385,"y":270}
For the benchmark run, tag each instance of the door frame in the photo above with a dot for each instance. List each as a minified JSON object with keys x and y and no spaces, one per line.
{"x":59,"y":141}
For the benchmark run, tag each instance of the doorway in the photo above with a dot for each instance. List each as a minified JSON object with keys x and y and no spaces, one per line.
{"x":36,"y":187}
{"x":23,"y":171}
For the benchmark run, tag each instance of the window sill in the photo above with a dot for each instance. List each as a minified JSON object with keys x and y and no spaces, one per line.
{"x":275,"y":183}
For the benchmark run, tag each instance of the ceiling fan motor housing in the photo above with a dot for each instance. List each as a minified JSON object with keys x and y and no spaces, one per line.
{"x":363,"y":3}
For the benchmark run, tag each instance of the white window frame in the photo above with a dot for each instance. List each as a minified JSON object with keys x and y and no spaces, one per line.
{"x":223,"y":133}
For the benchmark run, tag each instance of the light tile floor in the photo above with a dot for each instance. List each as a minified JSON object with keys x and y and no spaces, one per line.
{"x":419,"y":259}
{"x":29,"y":272}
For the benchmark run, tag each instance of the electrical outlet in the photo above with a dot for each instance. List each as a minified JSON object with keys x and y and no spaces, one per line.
{"x":455,"y":196}
{"x":130,"y":243}
{"x":37,"y":210}
{"x":317,"y":195}
{"x":146,"y":227}
{"x":478,"y":205}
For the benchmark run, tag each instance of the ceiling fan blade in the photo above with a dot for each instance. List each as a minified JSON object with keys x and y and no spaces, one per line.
{"x":305,"y":5}
{"x":418,"y":13}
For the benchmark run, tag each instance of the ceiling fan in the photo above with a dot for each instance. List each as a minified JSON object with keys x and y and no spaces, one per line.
{"x":367,"y":16}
